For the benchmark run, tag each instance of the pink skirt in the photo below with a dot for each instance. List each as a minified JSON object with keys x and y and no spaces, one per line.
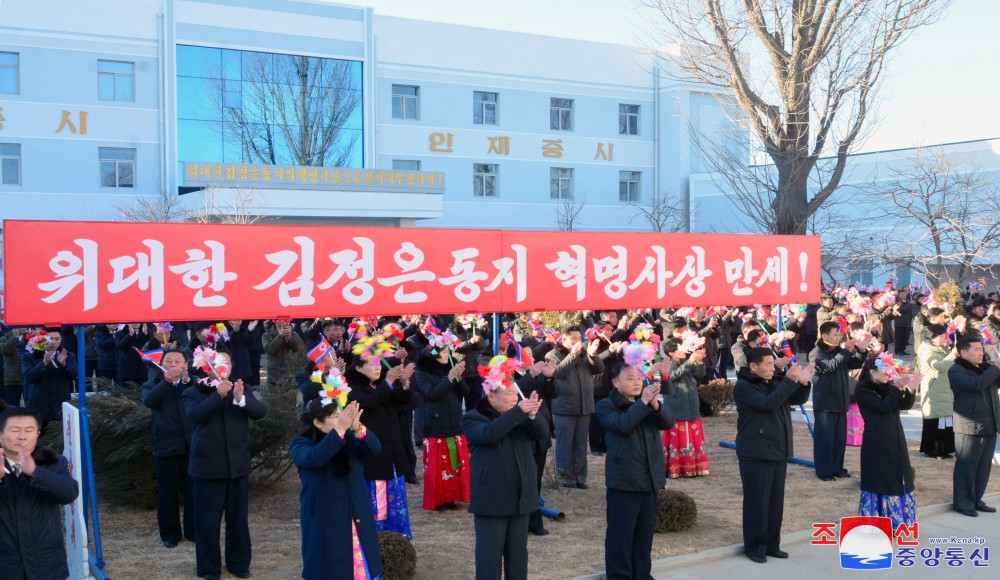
{"x":855,"y":426}
{"x":685,"y":446}
{"x":446,"y":471}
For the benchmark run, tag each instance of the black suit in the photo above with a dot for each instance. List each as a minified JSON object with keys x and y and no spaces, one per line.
{"x":764,"y":446}
{"x":977,"y":420}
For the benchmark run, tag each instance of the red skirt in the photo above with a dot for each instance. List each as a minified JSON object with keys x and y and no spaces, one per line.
{"x":442,"y":482}
{"x":685,"y":446}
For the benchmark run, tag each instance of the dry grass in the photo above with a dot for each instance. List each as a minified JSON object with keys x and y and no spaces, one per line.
{"x":445,"y":541}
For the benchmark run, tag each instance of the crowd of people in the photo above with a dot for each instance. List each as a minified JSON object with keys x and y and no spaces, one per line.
{"x":484,"y":415}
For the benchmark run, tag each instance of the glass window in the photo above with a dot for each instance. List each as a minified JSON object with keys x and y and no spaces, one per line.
{"x":484,"y":108}
{"x":560,"y":114}
{"x":405,"y":165}
{"x":628,"y":186}
{"x":253,"y":106}
{"x":484,"y":179}
{"x":117,"y":167}
{"x":10,"y":164}
{"x":628,"y":119}
{"x":115,"y":80}
{"x":405,"y":102}
{"x":560,"y":183}
{"x":9,"y":63}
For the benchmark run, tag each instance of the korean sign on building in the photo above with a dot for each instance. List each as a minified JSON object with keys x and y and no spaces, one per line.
{"x":299,"y":177}
{"x":78,"y":272}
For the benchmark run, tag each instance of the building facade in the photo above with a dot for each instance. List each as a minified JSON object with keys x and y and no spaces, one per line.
{"x":326,"y":113}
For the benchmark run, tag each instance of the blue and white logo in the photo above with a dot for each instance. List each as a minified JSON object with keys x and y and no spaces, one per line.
{"x":866,"y":547}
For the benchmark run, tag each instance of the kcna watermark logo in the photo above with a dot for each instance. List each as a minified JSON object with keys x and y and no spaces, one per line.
{"x":866,"y":543}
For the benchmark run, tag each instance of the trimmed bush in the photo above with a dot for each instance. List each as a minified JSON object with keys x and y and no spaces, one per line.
{"x":675,"y":511}
{"x":399,"y":558}
{"x":718,"y":394}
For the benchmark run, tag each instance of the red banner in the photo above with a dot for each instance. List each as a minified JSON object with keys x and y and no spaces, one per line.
{"x":78,"y":272}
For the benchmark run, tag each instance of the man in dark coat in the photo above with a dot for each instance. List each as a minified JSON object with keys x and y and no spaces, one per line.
{"x":576,"y":366}
{"x":764,"y":446}
{"x":538,"y":379}
{"x":34,"y":485}
{"x":131,"y":369}
{"x":977,"y":420}
{"x":632,"y":417}
{"x":52,"y":372}
{"x":907,"y":309}
{"x":219,"y":466}
{"x":171,"y":443}
{"x":500,"y":432}
{"x":832,"y":399}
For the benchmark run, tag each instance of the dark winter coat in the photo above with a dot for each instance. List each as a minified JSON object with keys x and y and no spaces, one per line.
{"x":442,"y":397}
{"x":53,"y":383}
{"x":171,"y":428}
{"x":635,"y":449}
{"x":130,"y":365}
{"x":220,"y":432}
{"x":683,"y":390}
{"x":764,"y":425}
{"x":13,"y":375}
{"x":31,"y":519}
{"x":739,"y":350}
{"x":977,"y":408}
{"x":547,"y":391}
{"x":330,"y":500}
{"x":285,"y":357}
{"x":239,"y":350}
{"x":382,"y":403}
{"x":885,"y":461}
{"x":107,"y":352}
{"x":831,"y":388}
{"x":502,"y":467}
{"x":574,"y":377}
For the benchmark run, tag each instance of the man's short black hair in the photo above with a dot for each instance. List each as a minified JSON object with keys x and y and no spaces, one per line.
{"x":749,"y":325}
{"x":571,"y":328}
{"x":757,"y":355}
{"x":936,"y":311}
{"x":966,"y":342}
{"x":827,"y":326}
{"x":19,"y":412}
{"x":184,"y":353}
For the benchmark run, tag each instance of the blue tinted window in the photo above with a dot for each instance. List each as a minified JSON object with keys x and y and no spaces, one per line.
{"x":244,"y":106}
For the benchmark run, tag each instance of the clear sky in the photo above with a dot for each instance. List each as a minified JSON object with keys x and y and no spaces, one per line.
{"x":943,"y":84}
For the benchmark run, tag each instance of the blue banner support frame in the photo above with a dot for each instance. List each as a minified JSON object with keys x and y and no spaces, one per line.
{"x":89,"y":490}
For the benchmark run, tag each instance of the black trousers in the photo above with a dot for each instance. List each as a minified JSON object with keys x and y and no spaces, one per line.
{"x":829,"y":442}
{"x":213,"y":498}
{"x":725,"y":361}
{"x":597,"y":435}
{"x":628,"y":542}
{"x":973,"y":460}
{"x":501,"y":546}
{"x":535,"y":520}
{"x":12,"y":394}
{"x":763,"y":505}
{"x":171,"y":482}
{"x":902,"y":339}
{"x":406,"y":426}
{"x":255,"y":368}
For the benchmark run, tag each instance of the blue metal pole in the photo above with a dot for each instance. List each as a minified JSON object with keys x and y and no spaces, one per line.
{"x":87,"y":456}
{"x":795,"y":460}
{"x":808,"y":422}
{"x":496,"y":333}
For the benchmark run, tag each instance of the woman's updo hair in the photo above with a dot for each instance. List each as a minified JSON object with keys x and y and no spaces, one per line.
{"x":315,"y":410}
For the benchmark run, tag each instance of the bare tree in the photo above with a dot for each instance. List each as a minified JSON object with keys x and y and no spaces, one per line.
{"x":238,"y":206}
{"x":663,"y":213}
{"x":290,"y":110}
{"x":941,"y":218}
{"x":802,"y":75}
{"x":568,"y":214}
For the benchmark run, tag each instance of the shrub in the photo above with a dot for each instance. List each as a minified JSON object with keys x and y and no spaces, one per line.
{"x":675,"y":511}
{"x":399,"y":558}
{"x":718,"y":394}
{"x":949,"y":292}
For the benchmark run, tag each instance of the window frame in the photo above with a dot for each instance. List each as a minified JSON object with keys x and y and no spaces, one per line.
{"x":477,"y":102}
{"x":623,"y":179}
{"x":485,"y":176}
{"x":402,"y":103}
{"x":114,"y":78}
{"x":625,"y":115}
{"x":394,"y":161}
{"x":20,"y":179}
{"x":101,"y":160}
{"x":568,"y":178}
{"x":17,"y":72}
{"x":554,"y":108}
